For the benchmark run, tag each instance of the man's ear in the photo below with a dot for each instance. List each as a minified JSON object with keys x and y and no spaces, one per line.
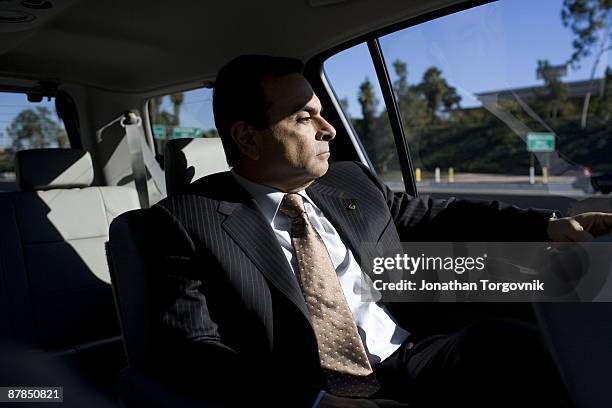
{"x":243,"y":136}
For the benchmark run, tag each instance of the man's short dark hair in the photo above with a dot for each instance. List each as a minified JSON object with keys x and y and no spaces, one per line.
{"x":238,"y":95}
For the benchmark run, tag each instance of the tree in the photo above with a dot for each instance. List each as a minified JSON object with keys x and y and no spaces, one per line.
{"x":167,"y":119}
{"x":177,"y":100}
{"x":155,"y":109}
{"x":590,"y":21}
{"x":412,"y":106}
{"x":368,"y":102}
{"x":450,"y":98}
{"x":163,"y":117}
{"x":603,"y":106}
{"x":400,"y":86}
{"x":34,"y":128}
{"x":376,"y":139}
{"x":437,"y":92}
{"x":432,"y":87}
{"x":556,"y":93}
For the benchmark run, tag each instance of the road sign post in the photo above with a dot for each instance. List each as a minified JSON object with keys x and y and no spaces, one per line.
{"x":540,"y":142}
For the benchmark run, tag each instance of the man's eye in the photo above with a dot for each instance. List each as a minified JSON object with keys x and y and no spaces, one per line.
{"x":305,"y":119}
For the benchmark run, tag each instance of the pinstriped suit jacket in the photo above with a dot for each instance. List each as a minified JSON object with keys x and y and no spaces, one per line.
{"x":228,"y":312}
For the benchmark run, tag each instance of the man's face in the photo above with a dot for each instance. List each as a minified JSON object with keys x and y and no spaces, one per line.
{"x":296,"y":145}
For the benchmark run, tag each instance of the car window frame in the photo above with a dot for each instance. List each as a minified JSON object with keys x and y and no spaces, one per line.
{"x":315,"y":73}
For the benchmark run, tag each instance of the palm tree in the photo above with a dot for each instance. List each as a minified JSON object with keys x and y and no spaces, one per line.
{"x":154,"y":109}
{"x":177,"y":100}
{"x":433,"y":87}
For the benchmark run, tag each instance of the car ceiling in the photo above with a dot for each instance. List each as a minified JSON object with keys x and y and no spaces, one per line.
{"x":142,"y":45}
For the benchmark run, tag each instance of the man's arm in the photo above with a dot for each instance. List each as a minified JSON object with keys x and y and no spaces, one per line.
{"x":428,"y":219}
{"x":189,"y":349}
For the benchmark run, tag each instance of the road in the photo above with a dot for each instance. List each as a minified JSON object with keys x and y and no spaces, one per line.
{"x":498,"y":184}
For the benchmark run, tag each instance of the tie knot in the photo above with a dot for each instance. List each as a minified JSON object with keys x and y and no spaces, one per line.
{"x":292,"y":205}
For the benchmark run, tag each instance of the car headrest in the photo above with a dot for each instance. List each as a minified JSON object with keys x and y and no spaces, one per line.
{"x":186,"y":160}
{"x":46,"y":169}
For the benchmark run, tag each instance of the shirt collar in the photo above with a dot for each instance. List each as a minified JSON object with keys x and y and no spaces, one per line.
{"x":267,"y":198}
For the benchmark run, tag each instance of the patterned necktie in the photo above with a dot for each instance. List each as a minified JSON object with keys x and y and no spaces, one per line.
{"x":341,"y":352}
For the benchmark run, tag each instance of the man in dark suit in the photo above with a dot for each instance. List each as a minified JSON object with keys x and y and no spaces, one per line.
{"x":255,"y":270}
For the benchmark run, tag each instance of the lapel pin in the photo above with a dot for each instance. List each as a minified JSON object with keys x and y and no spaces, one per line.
{"x":352,"y":205}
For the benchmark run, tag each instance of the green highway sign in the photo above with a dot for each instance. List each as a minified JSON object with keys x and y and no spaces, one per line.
{"x":179,"y":132}
{"x":159,"y":132}
{"x":540,"y":142}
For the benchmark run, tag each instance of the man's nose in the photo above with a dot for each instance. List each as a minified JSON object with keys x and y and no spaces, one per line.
{"x":326,"y":130}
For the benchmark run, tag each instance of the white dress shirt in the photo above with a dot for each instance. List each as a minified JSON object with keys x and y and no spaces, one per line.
{"x":379,"y":332}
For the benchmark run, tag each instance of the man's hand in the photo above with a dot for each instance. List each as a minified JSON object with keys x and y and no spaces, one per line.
{"x":332,"y":401}
{"x":579,"y":228}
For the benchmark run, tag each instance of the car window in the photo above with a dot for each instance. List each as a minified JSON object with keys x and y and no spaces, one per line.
{"x":361,"y":100}
{"x":495,"y":98}
{"x":26,"y":125}
{"x":505,"y":98}
{"x":179,"y":115}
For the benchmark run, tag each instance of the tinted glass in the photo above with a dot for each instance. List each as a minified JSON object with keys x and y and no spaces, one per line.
{"x":26,"y":125}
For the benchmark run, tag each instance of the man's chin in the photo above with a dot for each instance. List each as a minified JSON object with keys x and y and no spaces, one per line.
{"x":321,"y":167}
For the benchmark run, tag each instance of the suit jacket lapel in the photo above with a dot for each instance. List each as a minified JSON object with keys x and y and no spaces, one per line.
{"x":249,"y":229}
{"x":343,"y":212}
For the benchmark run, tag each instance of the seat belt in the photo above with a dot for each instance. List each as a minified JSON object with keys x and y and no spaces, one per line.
{"x":141,"y":156}
{"x":132,"y":125}
{"x":151,"y":164}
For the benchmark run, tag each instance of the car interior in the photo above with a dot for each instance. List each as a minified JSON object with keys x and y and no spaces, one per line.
{"x":108,"y":80}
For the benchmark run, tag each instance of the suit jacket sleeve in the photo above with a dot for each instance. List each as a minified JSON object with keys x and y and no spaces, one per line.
{"x":428,"y":219}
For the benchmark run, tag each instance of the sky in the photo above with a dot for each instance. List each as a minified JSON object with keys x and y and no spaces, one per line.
{"x":491,"y":47}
